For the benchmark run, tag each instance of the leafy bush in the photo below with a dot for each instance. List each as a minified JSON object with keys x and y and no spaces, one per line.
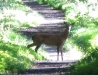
{"x":87,"y":65}
{"x":14,"y":58}
{"x":86,"y":40}
{"x":84,"y":34}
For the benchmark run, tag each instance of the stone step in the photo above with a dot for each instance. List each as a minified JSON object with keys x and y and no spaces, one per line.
{"x":44,"y":67}
{"x":54,"y":63}
{"x":45,"y":70}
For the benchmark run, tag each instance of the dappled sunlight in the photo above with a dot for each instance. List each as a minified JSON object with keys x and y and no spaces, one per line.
{"x":80,"y":8}
{"x":80,"y":30}
{"x":12,"y":37}
{"x":42,"y":52}
{"x":75,"y":10}
{"x":93,"y":8}
{"x":90,"y":1}
{"x":74,"y":54}
{"x":5,"y":36}
{"x":1,"y":16}
{"x":94,"y":14}
{"x":24,"y":17}
{"x":94,"y":41}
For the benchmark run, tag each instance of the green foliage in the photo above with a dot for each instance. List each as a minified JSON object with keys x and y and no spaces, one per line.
{"x":12,"y":4}
{"x":84,"y":37}
{"x":14,"y":38}
{"x":14,"y":58}
{"x":87,"y":65}
{"x":86,"y":41}
{"x":84,"y":34}
{"x":10,"y":0}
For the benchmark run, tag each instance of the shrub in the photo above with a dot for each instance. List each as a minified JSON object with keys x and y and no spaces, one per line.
{"x":84,"y":33}
{"x":14,"y":58}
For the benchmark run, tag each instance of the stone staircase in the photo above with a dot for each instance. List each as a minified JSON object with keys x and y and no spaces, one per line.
{"x":49,"y":68}
{"x":52,"y":24}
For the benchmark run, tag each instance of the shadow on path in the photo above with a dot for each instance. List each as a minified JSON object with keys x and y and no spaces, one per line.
{"x":46,"y":11}
{"x":53,"y":23}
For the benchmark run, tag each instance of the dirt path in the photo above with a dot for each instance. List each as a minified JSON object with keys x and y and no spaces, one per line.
{"x":51,"y":15}
{"x":53,"y":21}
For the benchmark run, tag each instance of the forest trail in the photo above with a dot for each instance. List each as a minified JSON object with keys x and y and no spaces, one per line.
{"x":52,"y":23}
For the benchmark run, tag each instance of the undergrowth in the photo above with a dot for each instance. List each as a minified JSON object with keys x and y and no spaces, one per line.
{"x":14,"y":56}
{"x":84,"y":34}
